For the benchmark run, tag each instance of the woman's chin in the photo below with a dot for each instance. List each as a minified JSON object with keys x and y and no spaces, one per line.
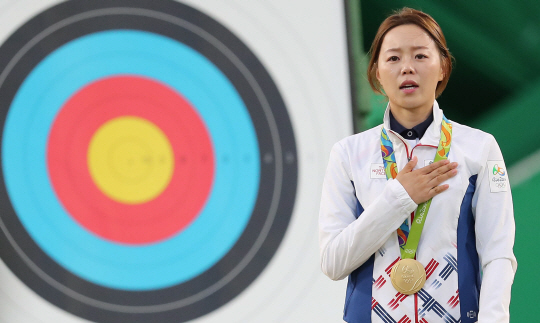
{"x":412,"y":104}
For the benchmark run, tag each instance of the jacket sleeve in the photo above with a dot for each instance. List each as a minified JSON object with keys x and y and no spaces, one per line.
{"x":345,"y":241}
{"x":495,"y":231}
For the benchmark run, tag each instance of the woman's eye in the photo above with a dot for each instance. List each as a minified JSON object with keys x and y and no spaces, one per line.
{"x":393,"y":59}
{"x":420,"y":56}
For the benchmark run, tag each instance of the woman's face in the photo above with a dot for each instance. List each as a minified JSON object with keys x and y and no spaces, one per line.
{"x":409,"y":68}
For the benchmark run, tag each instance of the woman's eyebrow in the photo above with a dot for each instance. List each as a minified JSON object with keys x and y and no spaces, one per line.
{"x":398,"y":49}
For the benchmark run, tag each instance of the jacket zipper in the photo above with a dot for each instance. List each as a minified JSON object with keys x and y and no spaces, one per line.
{"x":404,"y":143}
{"x":409,"y":157}
{"x":420,"y":145}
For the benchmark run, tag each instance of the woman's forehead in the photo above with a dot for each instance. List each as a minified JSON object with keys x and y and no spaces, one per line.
{"x":406,"y":37}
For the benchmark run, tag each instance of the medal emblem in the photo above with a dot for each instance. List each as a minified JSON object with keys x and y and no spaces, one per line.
{"x":408,"y":276}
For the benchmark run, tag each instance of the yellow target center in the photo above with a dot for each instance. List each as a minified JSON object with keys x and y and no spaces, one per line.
{"x":130,"y":159}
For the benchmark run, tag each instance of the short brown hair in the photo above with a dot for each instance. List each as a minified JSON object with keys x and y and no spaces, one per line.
{"x":408,"y":16}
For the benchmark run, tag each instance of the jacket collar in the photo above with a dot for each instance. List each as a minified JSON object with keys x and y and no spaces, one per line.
{"x":433,"y":133}
{"x":417,"y":131}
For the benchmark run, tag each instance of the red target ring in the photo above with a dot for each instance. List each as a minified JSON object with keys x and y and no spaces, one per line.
{"x":193,"y":169}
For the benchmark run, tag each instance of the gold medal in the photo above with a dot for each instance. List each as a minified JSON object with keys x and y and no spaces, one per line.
{"x":408,"y":276}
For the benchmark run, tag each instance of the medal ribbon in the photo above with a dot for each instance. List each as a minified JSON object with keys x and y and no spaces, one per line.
{"x":408,"y":241}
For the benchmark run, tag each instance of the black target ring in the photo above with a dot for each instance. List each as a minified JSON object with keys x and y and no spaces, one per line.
{"x":270,"y":218}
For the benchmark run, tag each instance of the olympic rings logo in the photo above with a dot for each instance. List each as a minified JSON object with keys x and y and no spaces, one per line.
{"x":498,"y":170}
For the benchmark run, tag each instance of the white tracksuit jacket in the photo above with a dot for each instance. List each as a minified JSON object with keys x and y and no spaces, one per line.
{"x":469,"y":227}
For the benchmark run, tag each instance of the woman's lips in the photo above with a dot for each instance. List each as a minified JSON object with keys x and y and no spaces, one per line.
{"x":408,"y":90}
{"x":408,"y":87}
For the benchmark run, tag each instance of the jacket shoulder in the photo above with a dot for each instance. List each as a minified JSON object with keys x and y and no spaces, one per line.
{"x":473,"y":143}
{"x":471,"y":136}
{"x":467,"y":131}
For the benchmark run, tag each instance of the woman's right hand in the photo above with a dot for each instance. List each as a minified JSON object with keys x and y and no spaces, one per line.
{"x":424,"y":183}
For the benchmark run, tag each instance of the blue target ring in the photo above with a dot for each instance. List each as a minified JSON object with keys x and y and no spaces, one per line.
{"x":113,"y":265}
{"x":215,"y":258}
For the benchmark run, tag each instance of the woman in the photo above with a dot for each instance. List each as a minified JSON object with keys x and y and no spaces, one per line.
{"x":413,"y":242}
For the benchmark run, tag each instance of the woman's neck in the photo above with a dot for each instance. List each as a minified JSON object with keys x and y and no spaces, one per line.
{"x":409,"y":118}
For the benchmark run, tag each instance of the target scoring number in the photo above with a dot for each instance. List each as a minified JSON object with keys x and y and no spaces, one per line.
{"x":205,"y":108}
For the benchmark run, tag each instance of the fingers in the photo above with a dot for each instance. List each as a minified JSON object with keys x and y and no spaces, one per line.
{"x":410,"y":165}
{"x":443,"y":170}
{"x":442,"y":174}
{"x":431,"y":167}
{"x":424,"y":183}
{"x":438,"y":190}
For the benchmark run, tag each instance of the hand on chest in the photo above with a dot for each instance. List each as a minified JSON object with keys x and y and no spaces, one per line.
{"x":372,"y":178}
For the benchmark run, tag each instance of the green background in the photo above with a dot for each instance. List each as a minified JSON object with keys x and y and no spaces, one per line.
{"x":495,"y":86}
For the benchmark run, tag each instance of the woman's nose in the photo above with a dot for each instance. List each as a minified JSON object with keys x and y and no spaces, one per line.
{"x":407,"y":68}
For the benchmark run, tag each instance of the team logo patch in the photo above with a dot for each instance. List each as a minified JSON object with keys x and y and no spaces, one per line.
{"x":498,"y":177}
{"x":377,"y":171}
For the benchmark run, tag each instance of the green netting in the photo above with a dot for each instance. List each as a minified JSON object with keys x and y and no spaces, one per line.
{"x":525,"y":289}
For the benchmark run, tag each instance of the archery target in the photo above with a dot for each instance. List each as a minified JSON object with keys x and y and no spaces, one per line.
{"x":148,"y":160}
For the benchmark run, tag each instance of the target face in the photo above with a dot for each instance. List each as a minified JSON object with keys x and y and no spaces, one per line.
{"x":148,"y":161}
